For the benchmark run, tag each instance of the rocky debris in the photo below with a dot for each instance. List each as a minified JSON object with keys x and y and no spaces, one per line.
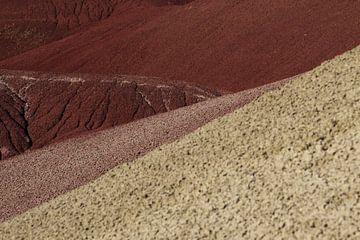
{"x":38,"y":109}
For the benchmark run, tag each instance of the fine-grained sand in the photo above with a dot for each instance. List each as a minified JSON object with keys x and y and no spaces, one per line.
{"x":37,"y":176}
{"x":284,"y":166}
{"x":37,"y":109}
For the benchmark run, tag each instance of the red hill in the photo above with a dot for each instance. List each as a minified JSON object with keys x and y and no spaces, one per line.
{"x":229,"y":45}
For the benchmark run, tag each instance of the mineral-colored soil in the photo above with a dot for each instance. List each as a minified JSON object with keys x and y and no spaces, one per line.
{"x":231,"y":45}
{"x":37,"y":108}
{"x":284,"y":166}
{"x":29,"y":24}
{"x":14,"y":137}
{"x":25,"y":25}
{"x":64,"y":166}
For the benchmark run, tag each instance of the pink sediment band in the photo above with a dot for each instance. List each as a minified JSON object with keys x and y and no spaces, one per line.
{"x":32,"y":178}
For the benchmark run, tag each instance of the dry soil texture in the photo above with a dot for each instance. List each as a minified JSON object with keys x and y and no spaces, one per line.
{"x":14,"y":137}
{"x":64,"y":166}
{"x":284,"y":166}
{"x":37,"y":109}
{"x":230,"y":45}
{"x":28,"y":24}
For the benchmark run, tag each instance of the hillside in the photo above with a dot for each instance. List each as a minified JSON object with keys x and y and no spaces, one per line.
{"x":25,"y":25}
{"x":230,"y":45}
{"x":284,"y":166}
{"x":51,"y":171}
{"x":37,"y":109}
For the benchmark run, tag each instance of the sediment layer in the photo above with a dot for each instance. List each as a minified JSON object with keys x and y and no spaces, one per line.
{"x":37,"y":109}
{"x":283,"y":166}
{"x":66,"y":165}
{"x":231,"y":45}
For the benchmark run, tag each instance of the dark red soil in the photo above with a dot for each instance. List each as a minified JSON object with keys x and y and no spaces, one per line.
{"x":30,"y":179}
{"x":37,"y":109}
{"x":14,"y":137}
{"x":230,"y":45}
{"x":28,"y":24}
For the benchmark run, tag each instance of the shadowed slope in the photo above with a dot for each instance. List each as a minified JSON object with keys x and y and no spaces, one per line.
{"x":37,"y":109}
{"x":14,"y":137}
{"x":284,"y":166}
{"x":230,"y":45}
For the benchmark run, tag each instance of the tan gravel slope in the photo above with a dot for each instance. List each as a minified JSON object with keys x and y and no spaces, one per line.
{"x":30,"y":179}
{"x":286,"y":165}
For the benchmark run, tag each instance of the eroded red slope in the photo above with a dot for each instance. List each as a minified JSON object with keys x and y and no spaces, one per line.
{"x":28,"y":24}
{"x":38,"y":109}
{"x":229,"y":45}
{"x":14,"y":137}
{"x":52,"y":171}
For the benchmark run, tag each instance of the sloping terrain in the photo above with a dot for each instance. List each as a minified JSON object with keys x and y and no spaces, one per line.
{"x":52,"y":171}
{"x":284,"y":166}
{"x":112,"y":154}
{"x":231,"y":45}
{"x":37,"y":109}
{"x":14,"y":137}
{"x":28,"y":24}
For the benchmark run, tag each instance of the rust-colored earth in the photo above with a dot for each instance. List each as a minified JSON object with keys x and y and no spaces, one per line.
{"x":28,"y":24}
{"x":73,"y":71}
{"x":66,"y":165}
{"x":37,"y":109}
{"x":25,"y":25}
{"x":231,"y":45}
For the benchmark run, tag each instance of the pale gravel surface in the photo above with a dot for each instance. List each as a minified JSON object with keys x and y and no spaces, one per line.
{"x":37,"y":176}
{"x":284,"y":166}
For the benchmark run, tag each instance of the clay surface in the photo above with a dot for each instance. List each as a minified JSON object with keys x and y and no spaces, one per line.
{"x":67,"y":165}
{"x":284,"y":166}
{"x":14,"y":137}
{"x":29,"y":24}
{"x":108,"y":156}
{"x":231,"y":45}
{"x":37,"y":109}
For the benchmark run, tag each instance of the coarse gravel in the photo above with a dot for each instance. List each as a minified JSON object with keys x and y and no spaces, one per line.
{"x":285,"y":166}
